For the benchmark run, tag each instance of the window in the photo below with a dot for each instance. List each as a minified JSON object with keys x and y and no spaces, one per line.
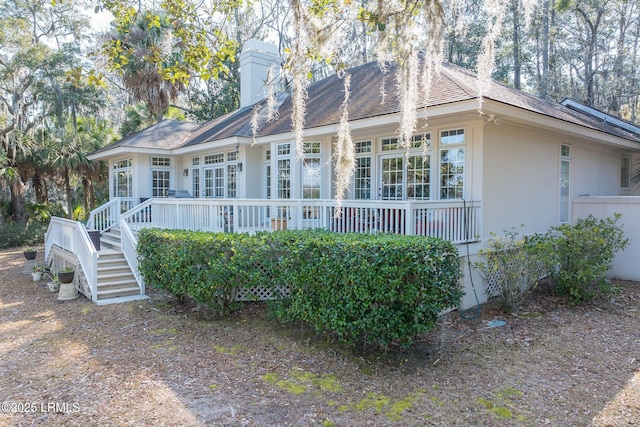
{"x":450,"y":137}
{"x":213,"y":159}
{"x":283,"y":170}
{"x":195,"y":181}
{"x":362,"y":173}
{"x":418,"y":177}
{"x":283,"y":149}
{"x":362,"y":178}
{"x":565,"y":175}
{"x":160,"y":161}
{"x":232,"y":180}
{"x":284,"y":179}
{"x":406,"y":172}
{"x":451,"y":164}
{"x":392,"y":178}
{"x":122,"y":178}
{"x":161,"y":182}
{"x":311,"y":171}
{"x":389,"y":144}
{"x":625,"y":172}
{"x":195,"y":161}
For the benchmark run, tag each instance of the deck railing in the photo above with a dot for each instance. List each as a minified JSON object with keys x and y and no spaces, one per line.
{"x":106,"y":216}
{"x":72,"y":236}
{"x":454,"y":220}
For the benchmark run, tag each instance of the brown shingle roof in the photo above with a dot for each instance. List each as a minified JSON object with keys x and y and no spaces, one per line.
{"x":325,"y":98}
{"x":166,"y":134}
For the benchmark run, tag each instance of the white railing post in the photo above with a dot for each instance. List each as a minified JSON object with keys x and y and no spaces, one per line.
{"x":410,"y":222}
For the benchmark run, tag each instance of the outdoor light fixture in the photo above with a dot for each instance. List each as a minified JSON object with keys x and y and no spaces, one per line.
{"x":185,"y":172}
{"x":240,"y":167}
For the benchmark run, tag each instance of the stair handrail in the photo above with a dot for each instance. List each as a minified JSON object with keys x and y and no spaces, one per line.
{"x":73,"y":237}
{"x":105,"y":216}
{"x":128,"y":240}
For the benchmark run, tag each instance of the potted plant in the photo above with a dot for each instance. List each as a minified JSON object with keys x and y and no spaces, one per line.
{"x":66,"y":275}
{"x":54,"y":284}
{"x":68,"y":289}
{"x":30,"y":253}
{"x":38,"y":270}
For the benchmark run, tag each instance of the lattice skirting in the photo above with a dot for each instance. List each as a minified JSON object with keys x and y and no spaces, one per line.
{"x":261,"y":294}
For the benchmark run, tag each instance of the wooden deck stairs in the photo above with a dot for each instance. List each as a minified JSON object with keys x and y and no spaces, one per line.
{"x":116,"y":282}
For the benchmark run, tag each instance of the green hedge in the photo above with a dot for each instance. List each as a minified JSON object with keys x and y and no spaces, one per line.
{"x":372,"y":289}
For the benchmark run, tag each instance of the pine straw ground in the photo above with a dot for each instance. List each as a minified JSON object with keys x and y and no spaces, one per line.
{"x":159,"y":362}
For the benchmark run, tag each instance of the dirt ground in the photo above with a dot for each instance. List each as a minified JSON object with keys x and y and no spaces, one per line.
{"x":159,"y":362}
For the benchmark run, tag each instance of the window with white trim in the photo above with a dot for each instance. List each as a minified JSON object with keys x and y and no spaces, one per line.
{"x":452,"y":164}
{"x":160,"y":182}
{"x":283,"y":170}
{"x":161,"y":161}
{"x":625,"y":172}
{"x":160,"y":176}
{"x":311,"y":171}
{"x":123,"y":178}
{"x":405,"y":175}
{"x":565,"y":181}
{"x":362,"y":173}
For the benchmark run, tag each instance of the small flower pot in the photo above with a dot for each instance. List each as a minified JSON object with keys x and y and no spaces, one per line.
{"x":53,"y":286}
{"x":37,"y":275}
{"x":30,"y":254}
{"x":65,"y":276}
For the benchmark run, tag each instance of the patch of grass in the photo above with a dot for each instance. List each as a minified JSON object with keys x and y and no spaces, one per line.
{"x":501,"y":409}
{"x":300,"y":382}
{"x":86,"y":310}
{"x":374,"y":401}
{"x":396,"y":410}
{"x":231,"y":351}
{"x":328,"y":423}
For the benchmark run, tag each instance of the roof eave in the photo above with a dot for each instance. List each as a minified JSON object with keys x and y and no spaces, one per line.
{"x":533,"y":118}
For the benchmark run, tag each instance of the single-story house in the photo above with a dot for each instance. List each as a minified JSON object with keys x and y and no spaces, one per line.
{"x":522,"y":161}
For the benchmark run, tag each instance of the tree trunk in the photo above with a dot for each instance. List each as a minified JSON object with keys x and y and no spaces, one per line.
{"x":517,"y":63}
{"x":18,"y":191}
{"x":39,"y":187}
{"x":67,"y":186}
{"x":544,"y":78}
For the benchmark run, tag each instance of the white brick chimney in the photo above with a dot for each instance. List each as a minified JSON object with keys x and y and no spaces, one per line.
{"x":256,"y":59}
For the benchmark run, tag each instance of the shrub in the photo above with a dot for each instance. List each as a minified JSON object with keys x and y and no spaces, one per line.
{"x":208,"y":267}
{"x":515,"y":264}
{"x":364,"y":289}
{"x":583,"y":253}
{"x":369,"y":289}
{"x":14,"y":235}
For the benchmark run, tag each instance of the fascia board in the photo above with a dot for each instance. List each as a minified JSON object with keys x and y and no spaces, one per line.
{"x":537,"y":120}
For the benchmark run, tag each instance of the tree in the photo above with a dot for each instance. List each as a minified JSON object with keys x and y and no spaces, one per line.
{"x":31,"y":32}
{"x":158,"y":52}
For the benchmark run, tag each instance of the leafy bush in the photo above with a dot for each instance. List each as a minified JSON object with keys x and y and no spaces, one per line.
{"x":209,"y":267}
{"x":365,"y":289}
{"x":14,"y":235}
{"x":370,"y":289}
{"x":583,"y":253}
{"x":515,"y":263}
